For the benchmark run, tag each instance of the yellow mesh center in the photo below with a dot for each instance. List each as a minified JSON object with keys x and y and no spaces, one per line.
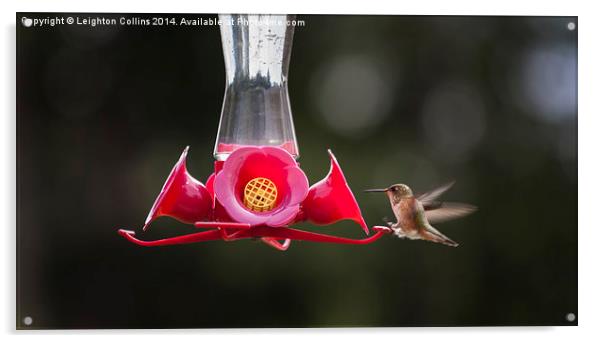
{"x":260,"y":194}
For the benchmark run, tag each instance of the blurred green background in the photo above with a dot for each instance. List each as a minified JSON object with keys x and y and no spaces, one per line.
{"x":104,"y":112}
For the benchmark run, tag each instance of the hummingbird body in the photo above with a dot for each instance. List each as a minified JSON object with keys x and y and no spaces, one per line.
{"x":415,"y":214}
{"x":407,"y":217}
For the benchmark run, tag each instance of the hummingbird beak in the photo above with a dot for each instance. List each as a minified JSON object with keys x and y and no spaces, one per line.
{"x":376,"y":190}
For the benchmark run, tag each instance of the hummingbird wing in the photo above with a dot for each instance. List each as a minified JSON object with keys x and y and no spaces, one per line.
{"x":431,"y":196}
{"x":445,"y":211}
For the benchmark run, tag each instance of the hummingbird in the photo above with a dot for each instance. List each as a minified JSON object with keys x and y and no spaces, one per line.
{"x":415,"y":214}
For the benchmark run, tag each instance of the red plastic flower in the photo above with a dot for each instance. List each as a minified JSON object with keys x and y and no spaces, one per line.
{"x":269,"y":174}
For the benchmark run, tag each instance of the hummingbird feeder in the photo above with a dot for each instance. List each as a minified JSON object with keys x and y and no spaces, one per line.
{"x":257,"y":189}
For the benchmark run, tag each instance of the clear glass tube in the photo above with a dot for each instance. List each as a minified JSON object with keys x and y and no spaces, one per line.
{"x":256,"y":109}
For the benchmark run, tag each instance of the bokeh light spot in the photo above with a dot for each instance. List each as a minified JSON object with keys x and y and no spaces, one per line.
{"x":353,"y":95}
{"x":453,"y":120}
{"x":549,"y":82}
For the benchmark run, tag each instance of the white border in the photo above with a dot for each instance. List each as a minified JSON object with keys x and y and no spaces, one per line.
{"x":590,"y":173}
{"x":458,"y":7}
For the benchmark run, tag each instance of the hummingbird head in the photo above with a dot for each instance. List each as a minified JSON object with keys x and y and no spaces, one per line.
{"x":398,"y":192}
{"x":395,"y":192}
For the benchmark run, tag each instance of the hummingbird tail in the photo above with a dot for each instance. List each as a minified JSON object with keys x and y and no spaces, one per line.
{"x":435,"y":236}
{"x":449,"y":242}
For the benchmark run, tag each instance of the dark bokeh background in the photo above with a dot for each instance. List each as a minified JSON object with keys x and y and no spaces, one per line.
{"x":104,"y":112}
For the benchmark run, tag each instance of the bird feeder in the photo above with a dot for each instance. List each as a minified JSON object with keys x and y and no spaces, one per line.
{"x":257,"y":189}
